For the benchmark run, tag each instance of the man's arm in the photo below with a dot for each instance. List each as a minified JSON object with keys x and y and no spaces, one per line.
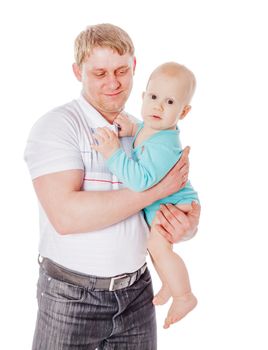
{"x":71,"y":210}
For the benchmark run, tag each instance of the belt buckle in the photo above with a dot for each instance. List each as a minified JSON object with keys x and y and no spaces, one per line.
{"x":113,"y":282}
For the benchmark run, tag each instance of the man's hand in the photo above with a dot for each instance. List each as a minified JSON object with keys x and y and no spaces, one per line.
{"x":125,"y":126}
{"x":175,"y":180}
{"x":108,"y":142}
{"x":175,"y":225}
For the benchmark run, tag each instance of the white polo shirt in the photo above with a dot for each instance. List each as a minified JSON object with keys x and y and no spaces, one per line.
{"x":59,"y":141}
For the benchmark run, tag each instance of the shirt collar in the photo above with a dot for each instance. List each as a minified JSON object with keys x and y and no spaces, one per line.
{"x":96,"y":119}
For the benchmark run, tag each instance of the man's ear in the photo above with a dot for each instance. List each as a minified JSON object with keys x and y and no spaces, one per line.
{"x":185,"y":111}
{"x":134,"y":64}
{"x":77,"y":71}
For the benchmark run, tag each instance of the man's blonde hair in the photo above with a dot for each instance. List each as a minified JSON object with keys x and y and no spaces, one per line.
{"x":101,"y":35}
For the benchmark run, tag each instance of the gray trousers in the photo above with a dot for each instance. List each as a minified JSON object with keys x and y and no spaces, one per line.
{"x":75,"y":318}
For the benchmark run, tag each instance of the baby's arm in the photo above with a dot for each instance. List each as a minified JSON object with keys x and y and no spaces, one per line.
{"x":108,"y":142}
{"x":137,"y":175}
{"x":125,"y":126}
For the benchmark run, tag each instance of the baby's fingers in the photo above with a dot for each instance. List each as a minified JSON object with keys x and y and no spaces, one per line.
{"x":99,"y":138}
{"x":121,"y":116}
{"x":103,"y":132}
{"x":95,"y":147}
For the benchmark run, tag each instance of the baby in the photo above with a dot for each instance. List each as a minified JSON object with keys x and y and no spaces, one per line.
{"x":156,"y":149}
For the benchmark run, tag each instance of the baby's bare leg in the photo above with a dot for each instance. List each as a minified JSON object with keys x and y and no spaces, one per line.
{"x":174,"y":276}
{"x":164,"y":293}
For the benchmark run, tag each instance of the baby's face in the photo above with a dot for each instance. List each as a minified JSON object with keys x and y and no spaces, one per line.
{"x":163,"y":102}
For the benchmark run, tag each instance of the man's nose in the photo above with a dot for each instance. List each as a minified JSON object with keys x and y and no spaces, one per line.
{"x":113,"y":82}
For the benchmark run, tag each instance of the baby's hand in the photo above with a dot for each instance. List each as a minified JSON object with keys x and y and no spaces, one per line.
{"x":126,"y":126}
{"x":108,"y":142}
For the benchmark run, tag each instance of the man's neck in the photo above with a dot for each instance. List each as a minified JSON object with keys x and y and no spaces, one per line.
{"x":110,"y":117}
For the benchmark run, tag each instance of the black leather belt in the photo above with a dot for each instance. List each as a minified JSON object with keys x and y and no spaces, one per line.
{"x":91,"y":282}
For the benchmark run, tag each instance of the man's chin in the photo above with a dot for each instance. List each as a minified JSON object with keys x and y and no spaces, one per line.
{"x":115,"y":104}
{"x":116,"y":108}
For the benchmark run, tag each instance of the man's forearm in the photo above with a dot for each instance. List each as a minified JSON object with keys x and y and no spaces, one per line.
{"x":71,"y":210}
{"x":85,"y":211}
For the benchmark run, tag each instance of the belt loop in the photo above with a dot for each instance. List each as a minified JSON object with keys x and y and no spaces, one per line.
{"x":94,"y":281}
{"x":40,"y":259}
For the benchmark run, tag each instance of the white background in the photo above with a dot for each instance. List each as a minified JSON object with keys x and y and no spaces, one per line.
{"x":225,"y":44}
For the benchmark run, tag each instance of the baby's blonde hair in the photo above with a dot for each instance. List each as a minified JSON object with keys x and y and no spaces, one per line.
{"x":101,"y":35}
{"x":173,"y":70}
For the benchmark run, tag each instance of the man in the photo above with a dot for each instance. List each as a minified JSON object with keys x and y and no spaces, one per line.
{"x":94,"y":290}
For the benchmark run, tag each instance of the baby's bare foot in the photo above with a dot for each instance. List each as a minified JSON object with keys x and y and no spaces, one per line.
{"x":162,"y":296}
{"x":180,"y":308}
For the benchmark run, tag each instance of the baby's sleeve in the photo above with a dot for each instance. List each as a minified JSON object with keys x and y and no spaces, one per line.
{"x":153,"y":163}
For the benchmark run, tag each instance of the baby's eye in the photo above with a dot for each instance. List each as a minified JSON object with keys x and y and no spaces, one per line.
{"x":153,"y":97}
{"x":170,"y":102}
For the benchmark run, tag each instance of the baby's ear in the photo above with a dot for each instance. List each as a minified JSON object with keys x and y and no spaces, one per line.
{"x":185,"y":111}
{"x":142,"y":95}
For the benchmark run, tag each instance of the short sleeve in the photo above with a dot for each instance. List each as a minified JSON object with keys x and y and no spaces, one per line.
{"x":53,"y":145}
